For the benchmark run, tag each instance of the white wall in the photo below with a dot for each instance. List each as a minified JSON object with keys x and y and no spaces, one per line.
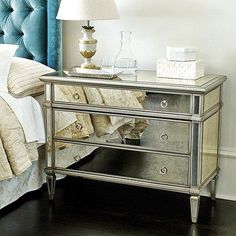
{"x":210,"y":25}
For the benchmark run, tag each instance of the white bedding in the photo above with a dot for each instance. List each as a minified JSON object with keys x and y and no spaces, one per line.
{"x":28,"y":111}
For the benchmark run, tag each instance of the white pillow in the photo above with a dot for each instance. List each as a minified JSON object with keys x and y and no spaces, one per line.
{"x":7,"y":52}
{"x":23,"y":78}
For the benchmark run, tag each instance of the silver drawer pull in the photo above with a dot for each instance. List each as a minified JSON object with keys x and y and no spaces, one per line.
{"x":164,"y":137}
{"x":77,"y":158}
{"x":163,"y":170}
{"x":164,"y":104}
{"x":76,"y":96}
{"x":79,"y":126}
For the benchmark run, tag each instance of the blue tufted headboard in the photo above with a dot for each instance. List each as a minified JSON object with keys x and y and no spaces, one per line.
{"x":33,"y":26}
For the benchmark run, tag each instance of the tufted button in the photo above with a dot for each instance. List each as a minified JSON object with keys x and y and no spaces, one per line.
{"x":30,"y":7}
{"x":10,"y":9}
{"x":13,"y":22}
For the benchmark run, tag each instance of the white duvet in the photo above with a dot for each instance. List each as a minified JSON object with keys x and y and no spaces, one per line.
{"x":30,"y":115}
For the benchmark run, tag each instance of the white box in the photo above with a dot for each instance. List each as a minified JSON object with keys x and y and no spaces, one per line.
{"x":180,"y":70}
{"x":181,"y":53}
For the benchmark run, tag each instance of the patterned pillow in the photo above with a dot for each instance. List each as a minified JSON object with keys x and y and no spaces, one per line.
{"x":23,"y":78}
{"x":7,"y":52}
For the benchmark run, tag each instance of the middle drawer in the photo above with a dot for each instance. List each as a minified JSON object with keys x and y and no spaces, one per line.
{"x":154,"y":134}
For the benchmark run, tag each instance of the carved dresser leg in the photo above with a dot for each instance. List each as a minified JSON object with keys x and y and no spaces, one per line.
{"x":194,"y":204}
{"x":213,"y":189}
{"x":51,"y":184}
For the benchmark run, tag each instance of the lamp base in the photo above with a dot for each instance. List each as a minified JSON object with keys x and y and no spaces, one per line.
{"x":89,"y":65}
{"x":88,"y":47}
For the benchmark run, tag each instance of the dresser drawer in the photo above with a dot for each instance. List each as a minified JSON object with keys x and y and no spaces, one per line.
{"x":165,"y":169}
{"x":153,"y":134}
{"x":168,"y":103}
{"x":165,"y":103}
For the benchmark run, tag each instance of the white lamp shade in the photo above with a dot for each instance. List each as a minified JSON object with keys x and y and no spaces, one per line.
{"x":87,"y":10}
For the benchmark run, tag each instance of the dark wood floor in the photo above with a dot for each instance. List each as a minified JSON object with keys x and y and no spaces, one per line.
{"x":93,"y":208}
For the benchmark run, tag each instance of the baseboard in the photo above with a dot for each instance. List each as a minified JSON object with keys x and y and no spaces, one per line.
{"x":226,"y":197}
{"x":227,"y":152}
{"x":226,"y":188}
{"x":222,"y":196}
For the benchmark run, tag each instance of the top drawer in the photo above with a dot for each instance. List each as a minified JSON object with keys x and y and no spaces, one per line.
{"x":165,"y":103}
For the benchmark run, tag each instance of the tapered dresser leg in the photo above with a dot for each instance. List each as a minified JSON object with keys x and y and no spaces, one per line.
{"x":213,"y":189}
{"x":194,"y":205}
{"x":51,"y":184}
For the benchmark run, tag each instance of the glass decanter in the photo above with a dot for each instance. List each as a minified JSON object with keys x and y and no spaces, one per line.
{"x":124,"y":60}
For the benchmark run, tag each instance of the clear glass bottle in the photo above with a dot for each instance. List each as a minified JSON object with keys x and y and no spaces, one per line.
{"x":125,"y":60}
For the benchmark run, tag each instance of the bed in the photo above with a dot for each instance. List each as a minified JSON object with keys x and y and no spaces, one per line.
{"x":32,"y":25}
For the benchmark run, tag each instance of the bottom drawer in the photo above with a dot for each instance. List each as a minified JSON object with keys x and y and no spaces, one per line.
{"x":165,"y":169}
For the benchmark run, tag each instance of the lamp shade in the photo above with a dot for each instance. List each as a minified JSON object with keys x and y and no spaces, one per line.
{"x":87,"y":10}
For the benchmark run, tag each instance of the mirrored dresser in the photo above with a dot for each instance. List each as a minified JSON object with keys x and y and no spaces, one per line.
{"x":176,"y":149}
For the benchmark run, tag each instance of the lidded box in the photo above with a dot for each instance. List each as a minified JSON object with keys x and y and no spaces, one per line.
{"x":181,"y":53}
{"x":180,"y":69}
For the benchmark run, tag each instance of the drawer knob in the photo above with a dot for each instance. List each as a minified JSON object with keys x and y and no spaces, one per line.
{"x":163,"y":170}
{"x":79,"y":126}
{"x":164,"y":104}
{"x":77,"y":158}
{"x":76,"y":96}
{"x":164,"y":137}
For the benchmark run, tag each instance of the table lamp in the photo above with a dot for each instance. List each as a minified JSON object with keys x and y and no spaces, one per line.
{"x":87,"y":10}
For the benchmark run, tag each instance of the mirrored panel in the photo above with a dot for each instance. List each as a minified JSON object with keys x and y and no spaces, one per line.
{"x":137,"y":165}
{"x":47,"y":88}
{"x":211,"y":99}
{"x":167,"y":103}
{"x":154,"y":134}
{"x":210,"y":146}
